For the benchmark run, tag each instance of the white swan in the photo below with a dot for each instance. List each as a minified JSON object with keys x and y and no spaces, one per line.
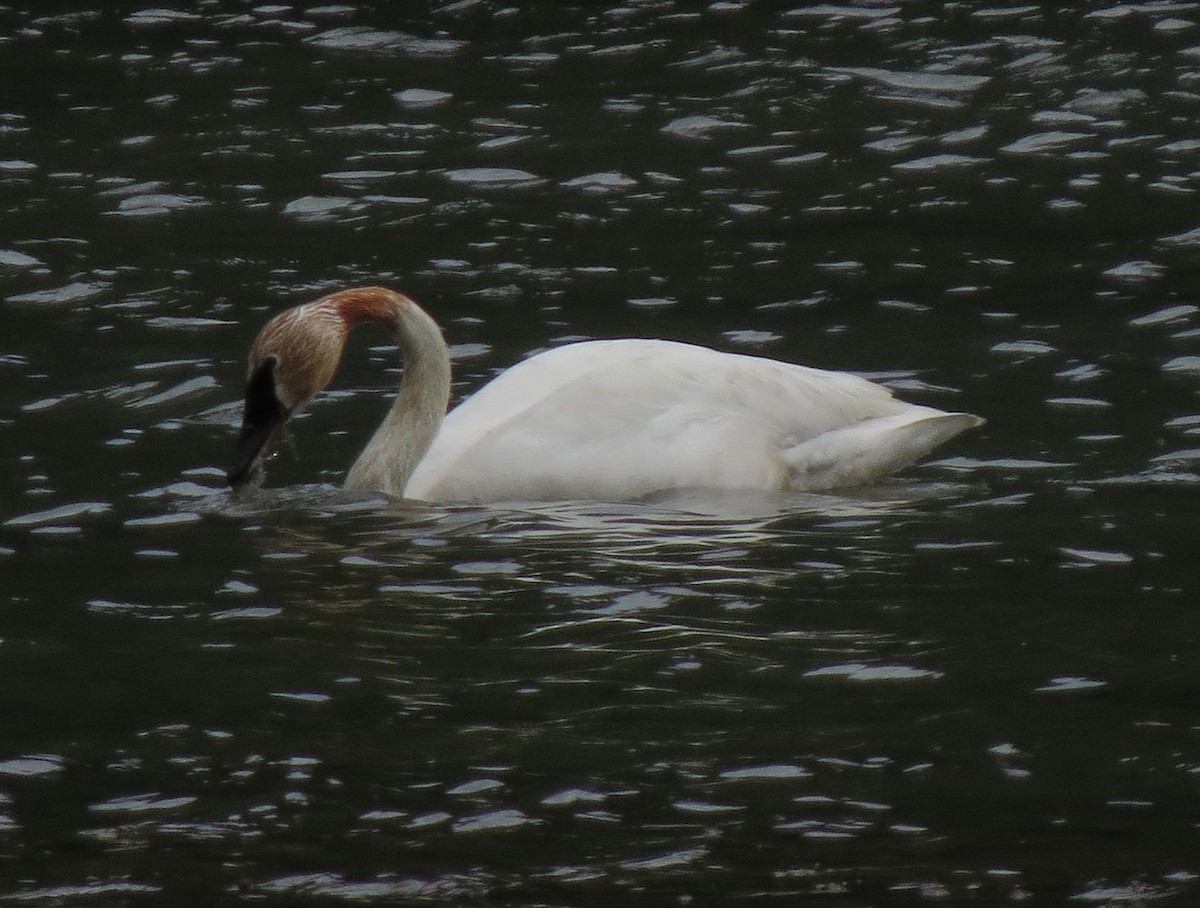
{"x":601,"y":420}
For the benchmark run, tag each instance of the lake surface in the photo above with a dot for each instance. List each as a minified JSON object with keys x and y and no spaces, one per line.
{"x":978,"y":681}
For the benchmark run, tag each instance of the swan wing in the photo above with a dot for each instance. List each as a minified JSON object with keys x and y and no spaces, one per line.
{"x":626,"y":418}
{"x":871,"y":449}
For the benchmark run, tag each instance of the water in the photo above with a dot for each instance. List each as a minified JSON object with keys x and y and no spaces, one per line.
{"x":977,"y":681}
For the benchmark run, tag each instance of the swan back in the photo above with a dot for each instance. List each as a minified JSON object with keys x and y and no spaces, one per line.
{"x":626,"y":418}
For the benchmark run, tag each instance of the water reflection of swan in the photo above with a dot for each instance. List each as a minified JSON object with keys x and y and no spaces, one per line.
{"x":609,"y":420}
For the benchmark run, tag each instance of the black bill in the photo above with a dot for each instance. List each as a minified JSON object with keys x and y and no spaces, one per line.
{"x":261,"y":420}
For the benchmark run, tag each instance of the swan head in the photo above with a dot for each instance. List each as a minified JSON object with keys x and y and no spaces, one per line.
{"x":293,"y":358}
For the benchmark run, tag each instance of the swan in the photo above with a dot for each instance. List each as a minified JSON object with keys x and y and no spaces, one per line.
{"x":597,"y":420}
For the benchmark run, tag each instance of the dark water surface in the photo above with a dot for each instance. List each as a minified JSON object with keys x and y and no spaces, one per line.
{"x":978,"y":682}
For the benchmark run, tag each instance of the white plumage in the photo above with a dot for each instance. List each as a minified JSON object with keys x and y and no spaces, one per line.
{"x":625,"y":418}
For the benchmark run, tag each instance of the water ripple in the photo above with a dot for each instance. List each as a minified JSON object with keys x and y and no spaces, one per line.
{"x":753,"y":697}
{"x":364,"y":39}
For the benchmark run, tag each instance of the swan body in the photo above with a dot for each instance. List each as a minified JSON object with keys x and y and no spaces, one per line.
{"x":602,"y":420}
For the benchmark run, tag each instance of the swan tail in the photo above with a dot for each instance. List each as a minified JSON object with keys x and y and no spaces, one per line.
{"x":871,"y":449}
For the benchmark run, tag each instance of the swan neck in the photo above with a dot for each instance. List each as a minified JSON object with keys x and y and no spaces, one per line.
{"x":416,"y":414}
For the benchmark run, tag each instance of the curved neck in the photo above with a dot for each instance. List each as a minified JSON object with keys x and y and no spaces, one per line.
{"x":409,"y":428}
